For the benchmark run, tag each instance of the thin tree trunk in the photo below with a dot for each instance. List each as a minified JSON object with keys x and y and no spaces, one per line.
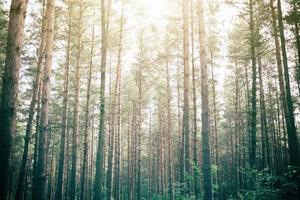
{"x":205,"y":106}
{"x":44,"y":127}
{"x":195,"y":131}
{"x":290,"y":121}
{"x":35,"y":89}
{"x":36,"y":140}
{"x":61,"y":164}
{"x":252,"y":153}
{"x":265,"y":132}
{"x":99,"y":176}
{"x":169,"y":129}
{"x":73,"y":181}
{"x":185,"y":122}
{"x":86,"y":124}
{"x":116,"y":181}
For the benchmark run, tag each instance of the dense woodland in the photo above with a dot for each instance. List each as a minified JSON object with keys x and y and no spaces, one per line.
{"x":141,"y":99}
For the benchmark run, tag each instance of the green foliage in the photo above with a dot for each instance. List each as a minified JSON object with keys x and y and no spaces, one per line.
{"x":268,"y":186}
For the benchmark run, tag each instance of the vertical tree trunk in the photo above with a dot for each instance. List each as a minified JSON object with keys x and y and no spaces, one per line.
{"x":195,"y":131}
{"x":44,"y":127}
{"x":215,"y":127}
{"x":252,"y":156}
{"x":9,"y":92}
{"x":149,"y":195}
{"x":35,"y":89}
{"x":73,"y":181}
{"x":61,"y":164}
{"x":205,"y":106}
{"x":185,"y":122}
{"x":297,"y":36}
{"x":266,"y":162}
{"x":169,"y":128}
{"x":290,"y":121}
{"x":83,"y":189}
{"x":118,"y":119}
{"x":99,"y":176}
{"x":113,"y":140}
{"x":36,"y":140}
{"x":140,"y":120}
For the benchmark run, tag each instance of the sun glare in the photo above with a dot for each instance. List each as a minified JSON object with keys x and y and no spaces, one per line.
{"x":154,"y":8}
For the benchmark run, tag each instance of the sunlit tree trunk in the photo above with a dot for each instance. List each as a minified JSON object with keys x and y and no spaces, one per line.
{"x":185,"y":122}
{"x":205,"y":105}
{"x":99,"y":176}
{"x":21,"y":181}
{"x":195,"y":126}
{"x":61,"y":163}
{"x":117,"y":171}
{"x":83,"y":189}
{"x":44,"y":126}
{"x":169,"y":127}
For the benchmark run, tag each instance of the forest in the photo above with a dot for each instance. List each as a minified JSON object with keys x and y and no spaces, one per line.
{"x":149,"y":99}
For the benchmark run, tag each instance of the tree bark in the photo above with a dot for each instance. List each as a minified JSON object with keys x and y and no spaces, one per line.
{"x":205,"y":106}
{"x":61,"y":164}
{"x":195,"y":131}
{"x":290,"y":121}
{"x":9,"y":92}
{"x":44,"y":126}
{"x":185,"y":121}
{"x":35,"y":89}
{"x":83,"y":188}
{"x":99,"y":176}
{"x":252,"y":153}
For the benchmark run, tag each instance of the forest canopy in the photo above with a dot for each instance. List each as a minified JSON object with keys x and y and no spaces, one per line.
{"x":149,"y":99}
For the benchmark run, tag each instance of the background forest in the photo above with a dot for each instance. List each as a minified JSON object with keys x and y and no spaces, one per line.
{"x":149,"y":99}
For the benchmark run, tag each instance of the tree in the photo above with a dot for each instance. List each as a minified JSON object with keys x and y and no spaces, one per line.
{"x":9,"y":88}
{"x":61,"y":163}
{"x":290,"y":121}
{"x":35,"y":89}
{"x":76,"y":104}
{"x":44,"y":127}
{"x":99,"y":176}
{"x":195,"y":126}
{"x":185,"y":122}
{"x":205,"y":105}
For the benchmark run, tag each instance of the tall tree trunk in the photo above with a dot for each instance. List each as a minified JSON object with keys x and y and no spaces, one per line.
{"x":252,"y":153}
{"x":297,"y":36}
{"x":118,"y":119}
{"x":185,"y":122}
{"x":290,"y":121}
{"x":61,"y":164}
{"x":205,"y":106}
{"x":36,"y":140}
{"x":140,"y":120}
{"x":83,"y":188}
{"x":195,"y":131}
{"x":169,"y":128}
{"x":99,"y":176}
{"x":113,"y":138}
{"x":279,"y":66}
{"x":44,"y":126}
{"x":35,"y":89}
{"x":9,"y":93}
{"x":266,"y":162}
{"x":73,"y":181}
{"x":215,"y":126}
